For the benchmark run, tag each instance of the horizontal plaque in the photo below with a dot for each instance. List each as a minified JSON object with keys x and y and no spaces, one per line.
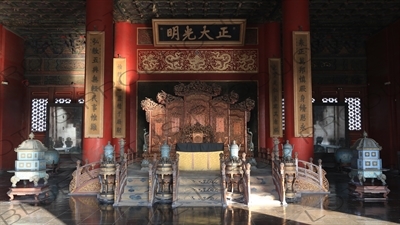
{"x":198,"y":61}
{"x":198,"y":32}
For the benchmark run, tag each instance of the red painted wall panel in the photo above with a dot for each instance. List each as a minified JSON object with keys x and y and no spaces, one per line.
{"x":13,"y":115}
{"x":383,"y":56}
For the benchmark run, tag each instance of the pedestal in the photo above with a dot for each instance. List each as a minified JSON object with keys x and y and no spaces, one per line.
{"x":290,"y":178}
{"x":234,"y":180}
{"x":36,"y":191}
{"x":368,"y":192}
{"x":107,"y":182}
{"x":164,"y":181}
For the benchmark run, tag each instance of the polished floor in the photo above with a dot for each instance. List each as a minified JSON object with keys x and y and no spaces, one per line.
{"x":336,"y":208}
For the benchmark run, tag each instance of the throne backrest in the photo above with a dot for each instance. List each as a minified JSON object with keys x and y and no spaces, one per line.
{"x":198,"y":137}
{"x":197,"y":133}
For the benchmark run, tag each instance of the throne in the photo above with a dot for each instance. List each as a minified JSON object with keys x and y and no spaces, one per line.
{"x":196,"y":133}
{"x":197,"y":120}
{"x":198,"y":137}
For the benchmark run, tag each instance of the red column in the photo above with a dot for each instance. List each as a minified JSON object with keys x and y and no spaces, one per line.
{"x":99,"y":17}
{"x":273,"y":50}
{"x":262,"y":93}
{"x":125,"y":47}
{"x":295,"y":18}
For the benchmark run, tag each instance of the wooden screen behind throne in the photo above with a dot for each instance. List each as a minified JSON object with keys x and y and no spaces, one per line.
{"x":197,"y":113}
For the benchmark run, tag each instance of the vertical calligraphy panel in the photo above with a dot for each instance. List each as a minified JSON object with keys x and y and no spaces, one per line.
{"x":119,"y":97}
{"x":303,"y":124}
{"x":94,"y":84}
{"x":275,"y":97}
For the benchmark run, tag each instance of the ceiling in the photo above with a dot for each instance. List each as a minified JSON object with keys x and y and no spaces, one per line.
{"x":33,"y":19}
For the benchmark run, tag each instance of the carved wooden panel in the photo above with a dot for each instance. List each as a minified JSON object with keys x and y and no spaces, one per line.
{"x":174,"y":120}
{"x":237,"y":119}
{"x":155,"y":115}
{"x":199,"y":115}
{"x":158,"y":133}
{"x":219,"y":114}
{"x":197,"y":109}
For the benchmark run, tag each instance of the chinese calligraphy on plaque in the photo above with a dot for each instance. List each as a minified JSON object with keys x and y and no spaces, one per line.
{"x":94,"y":84}
{"x":119,"y":96}
{"x":303,"y":121}
{"x":275,"y":97}
{"x":200,"y":32}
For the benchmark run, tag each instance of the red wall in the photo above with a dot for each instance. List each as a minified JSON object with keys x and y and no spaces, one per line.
{"x":383,"y":71}
{"x":13,"y":113}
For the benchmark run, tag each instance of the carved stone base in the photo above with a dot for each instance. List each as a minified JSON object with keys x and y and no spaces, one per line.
{"x":368,"y":192}
{"x":36,"y":191}
{"x":32,"y":176}
{"x":106,"y":197}
{"x":234,"y":197}
{"x":164,"y":197}
{"x":290,"y":194}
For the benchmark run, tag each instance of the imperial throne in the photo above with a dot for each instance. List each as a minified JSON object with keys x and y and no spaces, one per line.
{"x":198,"y":122}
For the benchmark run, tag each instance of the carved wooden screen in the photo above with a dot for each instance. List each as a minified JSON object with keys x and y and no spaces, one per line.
{"x":239,"y":117}
{"x":219,"y":118}
{"x":237,"y":128}
{"x":197,"y":109}
{"x":157,"y":135}
{"x":174,"y":116}
{"x":199,"y":114}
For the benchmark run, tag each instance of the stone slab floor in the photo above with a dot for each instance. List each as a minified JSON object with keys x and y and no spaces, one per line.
{"x":335,"y":208}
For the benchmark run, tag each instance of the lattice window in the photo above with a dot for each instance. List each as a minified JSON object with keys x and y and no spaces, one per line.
{"x":81,"y":100}
{"x":39,"y":113}
{"x":354,"y":113}
{"x":329,"y":100}
{"x":62,"y":100}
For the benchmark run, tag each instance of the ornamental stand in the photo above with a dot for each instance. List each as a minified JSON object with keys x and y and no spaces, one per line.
{"x":289,"y":170}
{"x":366,"y":164}
{"x":107,"y":175}
{"x":234,"y":174}
{"x":164,"y":175}
{"x":29,"y":166}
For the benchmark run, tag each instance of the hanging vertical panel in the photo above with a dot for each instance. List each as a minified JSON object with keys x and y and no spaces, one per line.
{"x":119,"y":98}
{"x":303,"y":122}
{"x":275,"y":97}
{"x":94,"y":84}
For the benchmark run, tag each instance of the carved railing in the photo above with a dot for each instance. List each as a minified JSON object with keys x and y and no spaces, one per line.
{"x":313,"y":173}
{"x":223,"y":179}
{"x":175,"y":176}
{"x":153,"y":179}
{"x":121,"y":174}
{"x":246,"y":180}
{"x":264,"y":155}
{"x":310,"y":178}
{"x":129,"y":156}
{"x":85,"y":179}
{"x":278,"y":177}
{"x":244,"y":172}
